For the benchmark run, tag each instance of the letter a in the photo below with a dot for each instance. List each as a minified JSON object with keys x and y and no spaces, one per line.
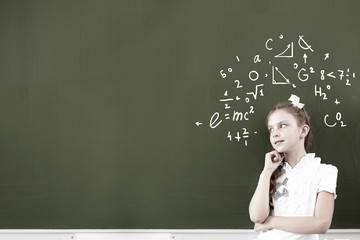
{"x":257,"y":59}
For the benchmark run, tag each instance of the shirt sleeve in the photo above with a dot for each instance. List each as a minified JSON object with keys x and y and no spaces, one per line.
{"x":328,"y":178}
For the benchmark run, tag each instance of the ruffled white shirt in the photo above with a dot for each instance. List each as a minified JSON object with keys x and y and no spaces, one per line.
{"x":296,"y":193}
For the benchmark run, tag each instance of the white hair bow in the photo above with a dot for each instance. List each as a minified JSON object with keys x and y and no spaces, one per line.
{"x":295,"y":100}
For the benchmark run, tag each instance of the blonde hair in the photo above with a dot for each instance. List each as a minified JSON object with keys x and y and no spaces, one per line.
{"x":302,"y":117}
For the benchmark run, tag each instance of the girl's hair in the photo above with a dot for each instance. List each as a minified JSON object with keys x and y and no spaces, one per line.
{"x":302,"y":117}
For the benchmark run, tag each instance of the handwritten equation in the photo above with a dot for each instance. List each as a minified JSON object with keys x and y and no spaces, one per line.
{"x":237,"y":102}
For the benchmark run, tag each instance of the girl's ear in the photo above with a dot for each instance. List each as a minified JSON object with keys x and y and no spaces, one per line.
{"x":305,"y":130}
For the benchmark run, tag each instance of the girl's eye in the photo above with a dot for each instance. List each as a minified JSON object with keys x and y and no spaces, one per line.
{"x":282,"y":125}
{"x":271,"y":130}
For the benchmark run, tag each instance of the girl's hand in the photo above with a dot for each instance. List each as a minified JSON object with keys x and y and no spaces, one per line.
{"x":259,"y":227}
{"x":273,"y":160}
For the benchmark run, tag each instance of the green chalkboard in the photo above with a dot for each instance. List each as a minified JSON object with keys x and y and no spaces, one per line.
{"x":138,"y":114}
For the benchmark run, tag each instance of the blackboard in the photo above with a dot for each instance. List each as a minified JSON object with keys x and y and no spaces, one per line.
{"x":120,"y":114}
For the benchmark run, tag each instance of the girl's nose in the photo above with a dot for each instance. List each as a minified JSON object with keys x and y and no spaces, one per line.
{"x":275,"y":133}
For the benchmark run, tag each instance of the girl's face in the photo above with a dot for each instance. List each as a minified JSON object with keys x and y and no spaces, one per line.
{"x":285,"y":134}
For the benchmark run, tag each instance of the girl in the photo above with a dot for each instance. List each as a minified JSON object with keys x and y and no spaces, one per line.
{"x":300,"y":202}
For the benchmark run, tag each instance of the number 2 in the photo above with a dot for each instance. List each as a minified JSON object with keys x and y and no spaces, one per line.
{"x":238,"y":84}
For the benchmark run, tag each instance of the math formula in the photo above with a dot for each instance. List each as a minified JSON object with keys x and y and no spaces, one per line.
{"x":283,"y":63}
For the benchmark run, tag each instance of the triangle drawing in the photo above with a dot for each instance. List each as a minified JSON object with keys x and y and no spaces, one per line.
{"x":288,"y":52}
{"x":276,"y":74}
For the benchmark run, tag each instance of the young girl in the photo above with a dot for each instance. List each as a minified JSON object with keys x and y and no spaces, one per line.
{"x":300,"y":202}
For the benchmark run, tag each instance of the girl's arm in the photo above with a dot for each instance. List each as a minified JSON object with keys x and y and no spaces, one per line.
{"x":317,"y":224}
{"x":259,"y":208}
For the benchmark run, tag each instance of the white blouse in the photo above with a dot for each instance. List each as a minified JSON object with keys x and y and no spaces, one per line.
{"x":296,"y":193}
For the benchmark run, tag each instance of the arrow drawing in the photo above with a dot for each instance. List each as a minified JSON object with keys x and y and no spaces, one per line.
{"x":287,"y":81}
{"x":290,"y":55}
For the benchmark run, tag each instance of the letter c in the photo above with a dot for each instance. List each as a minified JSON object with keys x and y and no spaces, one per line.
{"x":266,"y":44}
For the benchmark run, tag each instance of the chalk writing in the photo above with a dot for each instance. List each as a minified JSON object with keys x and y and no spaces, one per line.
{"x":238,"y":136}
{"x":338,"y":120}
{"x":238,"y":103}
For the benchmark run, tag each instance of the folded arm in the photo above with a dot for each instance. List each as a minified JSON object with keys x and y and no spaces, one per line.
{"x":317,"y":224}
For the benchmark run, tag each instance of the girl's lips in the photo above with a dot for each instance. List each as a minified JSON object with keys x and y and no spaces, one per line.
{"x":278,"y":141}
